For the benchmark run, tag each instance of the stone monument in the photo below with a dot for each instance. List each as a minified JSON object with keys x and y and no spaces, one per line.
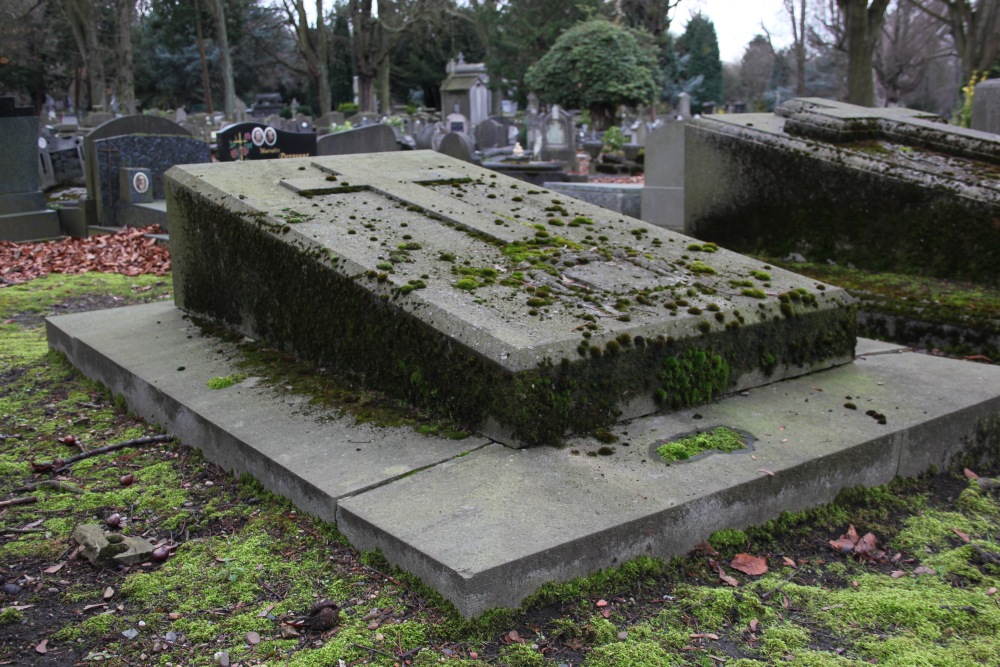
{"x":23,"y":214}
{"x":524,"y":314}
{"x":882,"y":189}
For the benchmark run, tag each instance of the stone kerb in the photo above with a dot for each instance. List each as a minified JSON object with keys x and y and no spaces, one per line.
{"x":881,"y":201}
{"x":525,"y":314}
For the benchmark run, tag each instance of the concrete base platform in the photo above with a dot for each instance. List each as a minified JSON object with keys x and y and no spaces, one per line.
{"x":31,"y":226}
{"x":487,"y":525}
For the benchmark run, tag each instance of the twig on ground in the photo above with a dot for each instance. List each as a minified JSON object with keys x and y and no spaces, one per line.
{"x":18,"y":501}
{"x":777,"y":588}
{"x":50,"y":484}
{"x":148,"y":440}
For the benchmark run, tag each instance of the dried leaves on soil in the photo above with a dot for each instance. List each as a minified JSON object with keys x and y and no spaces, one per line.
{"x":129,"y":252}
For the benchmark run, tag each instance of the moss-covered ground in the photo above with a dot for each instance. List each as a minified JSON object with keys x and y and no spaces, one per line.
{"x":245,"y":568}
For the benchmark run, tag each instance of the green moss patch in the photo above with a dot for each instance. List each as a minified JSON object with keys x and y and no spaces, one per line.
{"x":720,"y":439}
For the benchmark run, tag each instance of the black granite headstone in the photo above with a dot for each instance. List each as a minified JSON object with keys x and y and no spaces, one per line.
{"x":157,"y":153}
{"x":256,"y":141}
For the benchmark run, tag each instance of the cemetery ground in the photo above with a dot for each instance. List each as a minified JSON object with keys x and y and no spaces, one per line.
{"x":900,"y":575}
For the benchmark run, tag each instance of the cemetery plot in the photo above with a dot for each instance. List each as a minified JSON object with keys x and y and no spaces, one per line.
{"x":523,"y":313}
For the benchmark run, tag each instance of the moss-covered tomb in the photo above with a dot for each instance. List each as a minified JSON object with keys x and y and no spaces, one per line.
{"x":524,"y":314}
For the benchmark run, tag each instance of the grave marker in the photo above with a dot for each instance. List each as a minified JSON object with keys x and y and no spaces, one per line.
{"x":23,"y":215}
{"x":525,"y":314}
{"x":255,"y":141}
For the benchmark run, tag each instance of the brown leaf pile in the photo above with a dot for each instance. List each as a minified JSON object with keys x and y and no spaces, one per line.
{"x":128,"y":252}
{"x":863,"y":548}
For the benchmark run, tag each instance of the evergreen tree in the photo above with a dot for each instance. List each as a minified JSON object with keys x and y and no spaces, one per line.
{"x":699,"y":45}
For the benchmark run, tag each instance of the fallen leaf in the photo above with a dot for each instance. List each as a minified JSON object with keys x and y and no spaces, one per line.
{"x":54,"y":568}
{"x":765,"y":471}
{"x":602,"y":603}
{"x":786,"y":602}
{"x":991,"y":590}
{"x":41,"y":648}
{"x":866,"y":545}
{"x":963,"y":536}
{"x":728,"y":579}
{"x":970,"y":474}
{"x":606,"y":613}
{"x":896,"y":574}
{"x":924,"y":570}
{"x":705,"y":548}
{"x":747,"y":564}
{"x":788,"y":561}
{"x":108,"y":593}
{"x":514,"y":636}
{"x":753,"y":625}
{"x":267,"y":610}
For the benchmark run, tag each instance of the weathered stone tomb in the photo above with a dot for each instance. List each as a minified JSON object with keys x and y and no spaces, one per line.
{"x":525,"y":314}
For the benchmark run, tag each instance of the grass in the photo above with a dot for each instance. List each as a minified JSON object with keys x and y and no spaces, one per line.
{"x":243,"y":560}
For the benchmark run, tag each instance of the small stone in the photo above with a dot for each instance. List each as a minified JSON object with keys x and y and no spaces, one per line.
{"x":131,"y":633}
{"x":108,"y":593}
{"x":171,"y":636}
{"x":373,"y":625}
{"x":11,"y":589}
{"x":379,"y":637}
{"x":173,"y":616}
{"x":623,"y":635}
{"x":224,"y":658}
{"x":252,"y":638}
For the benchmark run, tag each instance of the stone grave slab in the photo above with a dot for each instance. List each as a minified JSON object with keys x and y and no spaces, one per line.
{"x":486,"y":525}
{"x":882,"y":189}
{"x":526,"y":314}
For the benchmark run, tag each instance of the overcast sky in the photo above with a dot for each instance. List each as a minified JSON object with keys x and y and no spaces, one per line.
{"x":736,"y":22}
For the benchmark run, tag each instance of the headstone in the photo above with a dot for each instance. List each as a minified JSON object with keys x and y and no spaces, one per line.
{"x":558,"y":138}
{"x":96,"y":118}
{"x":23,"y":215}
{"x":424,"y":138}
{"x":140,"y":141}
{"x":881,"y":189}
{"x":256,"y":141}
{"x":408,"y":268}
{"x":371,"y":139}
{"x":683,"y":106}
{"x":66,"y":156}
{"x":265,"y":105}
{"x":494,"y":132}
{"x":328,"y":121}
{"x":456,"y":122}
{"x":180,"y":116}
{"x":986,"y":107}
{"x":458,"y":146}
{"x":663,"y":193}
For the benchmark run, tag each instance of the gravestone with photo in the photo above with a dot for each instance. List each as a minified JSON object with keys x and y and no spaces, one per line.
{"x":133,"y":142}
{"x":23,"y":214}
{"x":256,"y":141}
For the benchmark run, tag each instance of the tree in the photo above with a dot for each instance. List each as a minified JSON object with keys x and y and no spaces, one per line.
{"x":756,"y":72}
{"x":700,"y":46}
{"x":83,"y":21}
{"x":862,"y":27}
{"x":797,"y":19}
{"x":974,"y":27}
{"x":653,"y":16}
{"x":525,"y":30}
{"x":312,"y":43}
{"x":597,"y":65}
{"x":225,"y":62}
{"x":910,"y":40}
